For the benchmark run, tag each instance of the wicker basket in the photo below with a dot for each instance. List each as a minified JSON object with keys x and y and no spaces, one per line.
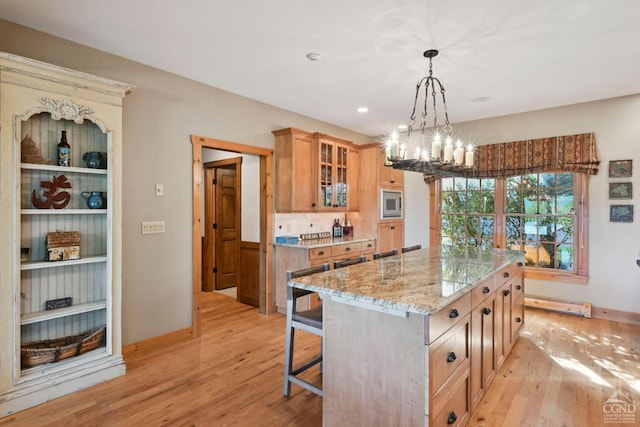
{"x":47,"y":351}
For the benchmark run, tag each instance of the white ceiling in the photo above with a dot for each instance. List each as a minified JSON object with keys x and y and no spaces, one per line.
{"x":523,"y":54}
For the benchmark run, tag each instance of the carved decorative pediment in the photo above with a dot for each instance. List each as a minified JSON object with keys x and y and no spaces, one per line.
{"x":66,"y":109}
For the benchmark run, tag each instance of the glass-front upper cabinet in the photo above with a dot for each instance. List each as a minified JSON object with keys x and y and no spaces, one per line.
{"x":333,"y":179}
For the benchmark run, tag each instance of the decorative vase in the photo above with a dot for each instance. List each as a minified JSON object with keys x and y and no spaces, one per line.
{"x":94,"y":199}
{"x":95,"y":159}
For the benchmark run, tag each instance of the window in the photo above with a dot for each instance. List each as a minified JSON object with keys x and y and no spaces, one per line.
{"x":543,"y":215}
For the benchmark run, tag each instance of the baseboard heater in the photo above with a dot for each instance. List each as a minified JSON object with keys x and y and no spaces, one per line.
{"x":559,"y":306}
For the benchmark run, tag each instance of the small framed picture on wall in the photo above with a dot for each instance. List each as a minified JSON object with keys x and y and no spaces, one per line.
{"x":621,"y":213}
{"x":620,"y":190}
{"x":620,"y":168}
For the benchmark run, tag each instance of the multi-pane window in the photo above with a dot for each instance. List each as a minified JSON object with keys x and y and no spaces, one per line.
{"x":540,"y":219}
{"x":468,"y":212}
{"x":539,"y":214}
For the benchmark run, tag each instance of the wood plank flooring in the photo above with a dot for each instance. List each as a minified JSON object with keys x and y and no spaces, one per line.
{"x":560,"y":372}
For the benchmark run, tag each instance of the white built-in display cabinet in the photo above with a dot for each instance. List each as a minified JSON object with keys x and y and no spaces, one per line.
{"x":73,"y":304}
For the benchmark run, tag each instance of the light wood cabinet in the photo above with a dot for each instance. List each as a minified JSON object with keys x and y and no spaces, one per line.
{"x":374,"y":177}
{"x":289,"y":257}
{"x":51,"y":300}
{"x":295,"y":171}
{"x":315,"y":172}
{"x":388,"y":176}
{"x":390,"y":235}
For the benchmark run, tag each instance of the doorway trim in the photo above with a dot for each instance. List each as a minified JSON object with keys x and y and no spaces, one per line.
{"x":267,"y":305}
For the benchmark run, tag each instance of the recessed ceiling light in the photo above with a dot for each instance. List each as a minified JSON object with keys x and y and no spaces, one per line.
{"x":314,"y":56}
{"x":481,"y":99}
{"x":362,"y":109}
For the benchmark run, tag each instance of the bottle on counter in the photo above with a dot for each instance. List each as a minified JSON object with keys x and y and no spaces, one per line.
{"x":64,"y":151}
{"x":337,"y":228}
{"x":347,"y":229}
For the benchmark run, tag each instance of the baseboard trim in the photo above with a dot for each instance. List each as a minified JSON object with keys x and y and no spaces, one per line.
{"x":560,"y":306}
{"x":616,"y":315}
{"x":151,"y":344}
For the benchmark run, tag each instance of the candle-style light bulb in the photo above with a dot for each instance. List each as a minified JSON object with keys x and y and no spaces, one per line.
{"x":448,"y":151}
{"x":403,"y":151}
{"x":458,"y":153}
{"x":468,"y":159}
{"x":436,"y":147}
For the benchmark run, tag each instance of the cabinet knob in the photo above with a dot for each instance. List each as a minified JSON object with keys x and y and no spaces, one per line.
{"x":520,"y":264}
{"x":392,"y":227}
{"x":313,"y":205}
{"x":452,"y":418}
{"x":506,"y":274}
{"x":519,"y":287}
{"x":518,"y":319}
{"x":392,"y":181}
{"x":369,"y":245}
{"x":451,"y":357}
{"x":321,"y":253}
{"x":347,"y":249}
{"x":506,"y":292}
{"x":486,"y":290}
{"x":454,"y":313}
{"x":486,"y":310}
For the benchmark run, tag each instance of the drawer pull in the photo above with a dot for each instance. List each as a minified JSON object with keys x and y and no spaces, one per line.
{"x":486,"y":310}
{"x":321,"y":253}
{"x":369,"y":245}
{"x":486,"y":290}
{"x":519,"y":287}
{"x":506,"y":274}
{"x":452,"y":418}
{"x":454,"y":313}
{"x":518,"y":319}
{"x":520,"y":264}
{"x":506,"y":292}
{"x":347,"y":249}
{"x":451,"y":357}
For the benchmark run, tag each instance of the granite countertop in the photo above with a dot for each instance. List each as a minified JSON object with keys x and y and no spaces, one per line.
{"x":317,"y":243}
{"x":422,"y":281}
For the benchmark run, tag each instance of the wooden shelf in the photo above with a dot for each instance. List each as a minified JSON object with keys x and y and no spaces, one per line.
{"x":55,"y":168}
{"x":63,"y":211}
{"x":41,"y":316}
{"x":36,"y":265}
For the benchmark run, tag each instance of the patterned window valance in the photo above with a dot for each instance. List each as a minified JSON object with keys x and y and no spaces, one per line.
{"x":570,"y":153}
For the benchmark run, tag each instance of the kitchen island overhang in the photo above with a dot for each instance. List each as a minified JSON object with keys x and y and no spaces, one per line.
{"x":407,"y":340}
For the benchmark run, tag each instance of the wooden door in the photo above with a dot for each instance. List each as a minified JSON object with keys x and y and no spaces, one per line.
{"x":209,"y":239}
{"x":227,"y":225}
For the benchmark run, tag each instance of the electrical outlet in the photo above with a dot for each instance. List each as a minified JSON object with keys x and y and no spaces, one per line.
{"x":152,"y":227}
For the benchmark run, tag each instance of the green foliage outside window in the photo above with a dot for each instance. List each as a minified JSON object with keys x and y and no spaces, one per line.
{"x":539,"y":216}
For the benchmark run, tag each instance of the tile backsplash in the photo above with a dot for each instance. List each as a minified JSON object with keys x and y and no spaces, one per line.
{"x":294,"y":224}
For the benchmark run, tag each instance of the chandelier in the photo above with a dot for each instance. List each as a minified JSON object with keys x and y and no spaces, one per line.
{"x":434,"y":158}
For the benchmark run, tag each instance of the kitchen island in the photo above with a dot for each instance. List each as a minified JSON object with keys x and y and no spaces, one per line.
{"x":415,"y":339}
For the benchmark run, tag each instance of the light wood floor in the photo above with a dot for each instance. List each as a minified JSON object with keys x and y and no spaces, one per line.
{"x":560,"y":372}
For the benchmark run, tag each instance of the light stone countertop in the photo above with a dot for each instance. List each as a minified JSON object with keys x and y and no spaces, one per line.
{"x":319,"y":243}
{"x":422,"y":281}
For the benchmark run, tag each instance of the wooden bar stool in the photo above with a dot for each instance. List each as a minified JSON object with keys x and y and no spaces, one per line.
{"x":308,"y":320}
{"x":379,"y":255}
{"x":411,"y":248}
{"x":347,"y":262}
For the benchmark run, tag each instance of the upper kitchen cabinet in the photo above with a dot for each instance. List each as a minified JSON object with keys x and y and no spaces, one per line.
{"x":295,"y":171}
{"x":315,"y":172}
{"x":388,"y":176}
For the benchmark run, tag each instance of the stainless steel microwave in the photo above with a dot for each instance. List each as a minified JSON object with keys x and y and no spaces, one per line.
{"x":390,"y":204}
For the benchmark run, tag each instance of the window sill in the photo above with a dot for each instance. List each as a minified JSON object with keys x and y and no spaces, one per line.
{"x":555,"y":276}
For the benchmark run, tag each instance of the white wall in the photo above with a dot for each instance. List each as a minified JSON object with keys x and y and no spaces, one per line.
{"x":158,"y":119}
{"x":614,"y":281}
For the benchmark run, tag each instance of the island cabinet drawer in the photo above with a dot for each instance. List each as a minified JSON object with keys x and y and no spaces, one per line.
{"x":482,"y":291}
{"x":319,"y":253}
{"x":346,"y":250}
{"x":509,"y":272}
{"x":448,"y":353}
{"x":447,"y":317}
{"x":450,"y":407}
